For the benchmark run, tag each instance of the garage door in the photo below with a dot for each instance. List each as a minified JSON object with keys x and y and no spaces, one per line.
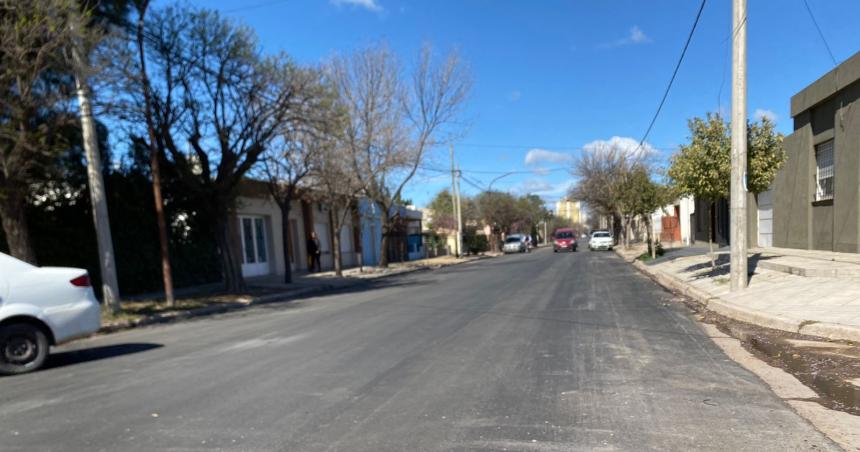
{"x":765,"y":218}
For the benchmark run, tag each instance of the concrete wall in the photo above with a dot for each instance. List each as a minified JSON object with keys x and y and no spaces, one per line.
{"x":825,"y":110}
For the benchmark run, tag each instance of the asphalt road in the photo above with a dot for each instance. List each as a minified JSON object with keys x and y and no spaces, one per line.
{"x":536,"y":352}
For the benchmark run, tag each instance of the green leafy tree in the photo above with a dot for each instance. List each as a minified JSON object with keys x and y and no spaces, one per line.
{"x":639,"y":195}
{"x":702,"y":168}
{"x":765,"y":155}
{"x":498,"y":211}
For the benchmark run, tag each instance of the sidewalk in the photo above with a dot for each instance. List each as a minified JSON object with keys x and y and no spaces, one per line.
{"x":778,"y":296}
{"x":208,"y":300}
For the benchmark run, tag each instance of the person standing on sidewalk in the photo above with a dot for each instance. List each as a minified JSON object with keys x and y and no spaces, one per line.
{"x":314,"y":252}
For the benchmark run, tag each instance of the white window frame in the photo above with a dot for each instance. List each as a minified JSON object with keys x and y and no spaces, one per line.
{"x":824,"y":169}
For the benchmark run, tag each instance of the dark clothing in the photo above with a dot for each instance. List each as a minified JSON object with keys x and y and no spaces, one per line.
{"x":314,"y":254}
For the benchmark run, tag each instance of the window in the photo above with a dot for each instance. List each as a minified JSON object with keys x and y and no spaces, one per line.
{"x":824,"y":171}
{"x":248,"y":236}
{"x":260,"y":239}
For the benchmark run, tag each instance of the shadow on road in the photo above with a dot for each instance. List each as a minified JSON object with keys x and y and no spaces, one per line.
{"x":69,"y":358}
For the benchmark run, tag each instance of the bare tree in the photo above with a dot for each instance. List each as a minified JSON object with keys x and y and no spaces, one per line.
{"x":35,"y":96}
{"x":154,"y":157}
{"x":295,"y":152}
{"x":336,"y":186}
{"x":217,"y":105}
{"x":392,"y":121}
{"x":602,"y":173}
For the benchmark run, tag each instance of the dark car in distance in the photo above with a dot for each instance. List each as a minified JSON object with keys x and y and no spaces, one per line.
{"x":564,"y":239}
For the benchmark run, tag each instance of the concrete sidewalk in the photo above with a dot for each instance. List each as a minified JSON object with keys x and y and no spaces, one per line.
{"x":814,"y":305}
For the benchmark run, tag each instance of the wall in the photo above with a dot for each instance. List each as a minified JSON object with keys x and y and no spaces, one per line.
{"x":270,"y":211}
{"x":798,"y":221}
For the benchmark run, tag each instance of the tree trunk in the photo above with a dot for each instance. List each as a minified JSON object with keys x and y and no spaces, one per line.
{"x":386,"y":231}
{"x":651,"y":245}
{"x":711,"y":209}
{"x":13,"y":205}
{"x":166,"y":272}
{"x":285,"y":238}
{"x":231,"y":266}
{"x":335,"y":241}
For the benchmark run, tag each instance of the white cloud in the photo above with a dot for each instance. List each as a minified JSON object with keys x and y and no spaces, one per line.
{"x":764,"y":113}
{"x":370,"y":5}
{"x":635,"y":36}
{"x":543,"y":187}
{"x":627,"y":145}
{"x":542,"y":155}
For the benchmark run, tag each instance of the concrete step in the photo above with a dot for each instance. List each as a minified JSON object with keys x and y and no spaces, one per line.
{"x":799,"y":266}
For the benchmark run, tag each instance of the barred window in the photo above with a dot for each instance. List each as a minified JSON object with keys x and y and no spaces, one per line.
{"x":824,"y":171}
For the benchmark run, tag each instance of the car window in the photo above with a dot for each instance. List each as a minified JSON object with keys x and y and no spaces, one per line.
{"x":513,"y":240}
{"x":601,"y":234}
{"x":563,"y":235}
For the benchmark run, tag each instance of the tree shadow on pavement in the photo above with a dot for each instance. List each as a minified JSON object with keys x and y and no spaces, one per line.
{"x":722,"y":266}
{"x":72,"y":357}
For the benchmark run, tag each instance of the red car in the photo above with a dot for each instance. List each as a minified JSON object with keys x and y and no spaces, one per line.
{"x":564,"y":239}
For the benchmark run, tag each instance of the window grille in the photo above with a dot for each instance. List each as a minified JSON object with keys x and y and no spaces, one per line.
{"x":824,"y":171}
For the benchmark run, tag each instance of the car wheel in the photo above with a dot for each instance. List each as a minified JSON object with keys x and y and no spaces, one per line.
{"x":23,"y":348}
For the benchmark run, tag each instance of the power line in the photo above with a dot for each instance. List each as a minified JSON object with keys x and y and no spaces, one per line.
{"x":254,"y":6}
{"x":537,"y":171}
{"x":674,"y":74}
{"x":820,"y":33}
{"x":555,"y":148}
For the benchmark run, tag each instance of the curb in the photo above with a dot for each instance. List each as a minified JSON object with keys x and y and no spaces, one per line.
{"x":221,"y":308}
{"x":833,"y":331}
{"x":209,"y":310}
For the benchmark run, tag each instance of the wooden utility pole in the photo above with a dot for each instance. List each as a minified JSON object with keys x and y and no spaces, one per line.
{"x":98,"y":198}
{"x":166,"y":273}
{"x":738,"y":195}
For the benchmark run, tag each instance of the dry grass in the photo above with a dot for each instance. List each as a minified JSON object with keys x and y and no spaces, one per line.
{"x":139,"y":309}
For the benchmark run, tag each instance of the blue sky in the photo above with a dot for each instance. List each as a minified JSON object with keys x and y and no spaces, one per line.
{"x":554,"y":76}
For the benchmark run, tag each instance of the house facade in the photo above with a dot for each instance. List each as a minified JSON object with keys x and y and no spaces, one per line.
{"x":406,"y":241}
{"x":261,"y":233}
{"x":815,"y":198}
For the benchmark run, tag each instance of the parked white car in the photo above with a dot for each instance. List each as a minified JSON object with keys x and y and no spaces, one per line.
{"x":515,"y":243}
{"x":600,"y":240}
{"x":40,"y":307}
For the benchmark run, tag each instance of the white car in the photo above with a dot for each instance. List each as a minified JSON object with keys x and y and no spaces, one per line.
{"x":40,"y":307}
{"x":600,"y":240}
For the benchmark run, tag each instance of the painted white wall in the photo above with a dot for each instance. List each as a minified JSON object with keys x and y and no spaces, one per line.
{"x":688,"y":207}
{"x":268,"y":209}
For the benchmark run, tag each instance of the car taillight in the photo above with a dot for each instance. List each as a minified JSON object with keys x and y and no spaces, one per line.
{"x":81,"y":281}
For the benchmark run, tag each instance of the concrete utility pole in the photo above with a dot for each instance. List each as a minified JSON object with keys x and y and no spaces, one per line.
{"x":459,"y":214}
{"x":738,"y":195}
{"x":110,"y":287}
{"x":455,"y":204}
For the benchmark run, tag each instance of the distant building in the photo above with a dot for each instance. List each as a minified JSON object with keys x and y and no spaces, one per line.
{"x":570,"y":210}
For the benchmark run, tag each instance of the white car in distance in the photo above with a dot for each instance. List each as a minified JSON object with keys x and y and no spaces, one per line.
{"x":600,"y":240}
{"x":41,"y":307}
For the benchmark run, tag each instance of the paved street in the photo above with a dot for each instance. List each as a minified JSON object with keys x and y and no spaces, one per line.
{"x":537,"y":352}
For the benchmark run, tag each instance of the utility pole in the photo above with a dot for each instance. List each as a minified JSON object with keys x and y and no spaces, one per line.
{"x":459,"y":215}
{"x":454,"y":200}
{"x":110,"y":287}
{"x":545,"y":237}
{"x":738,"y":195}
